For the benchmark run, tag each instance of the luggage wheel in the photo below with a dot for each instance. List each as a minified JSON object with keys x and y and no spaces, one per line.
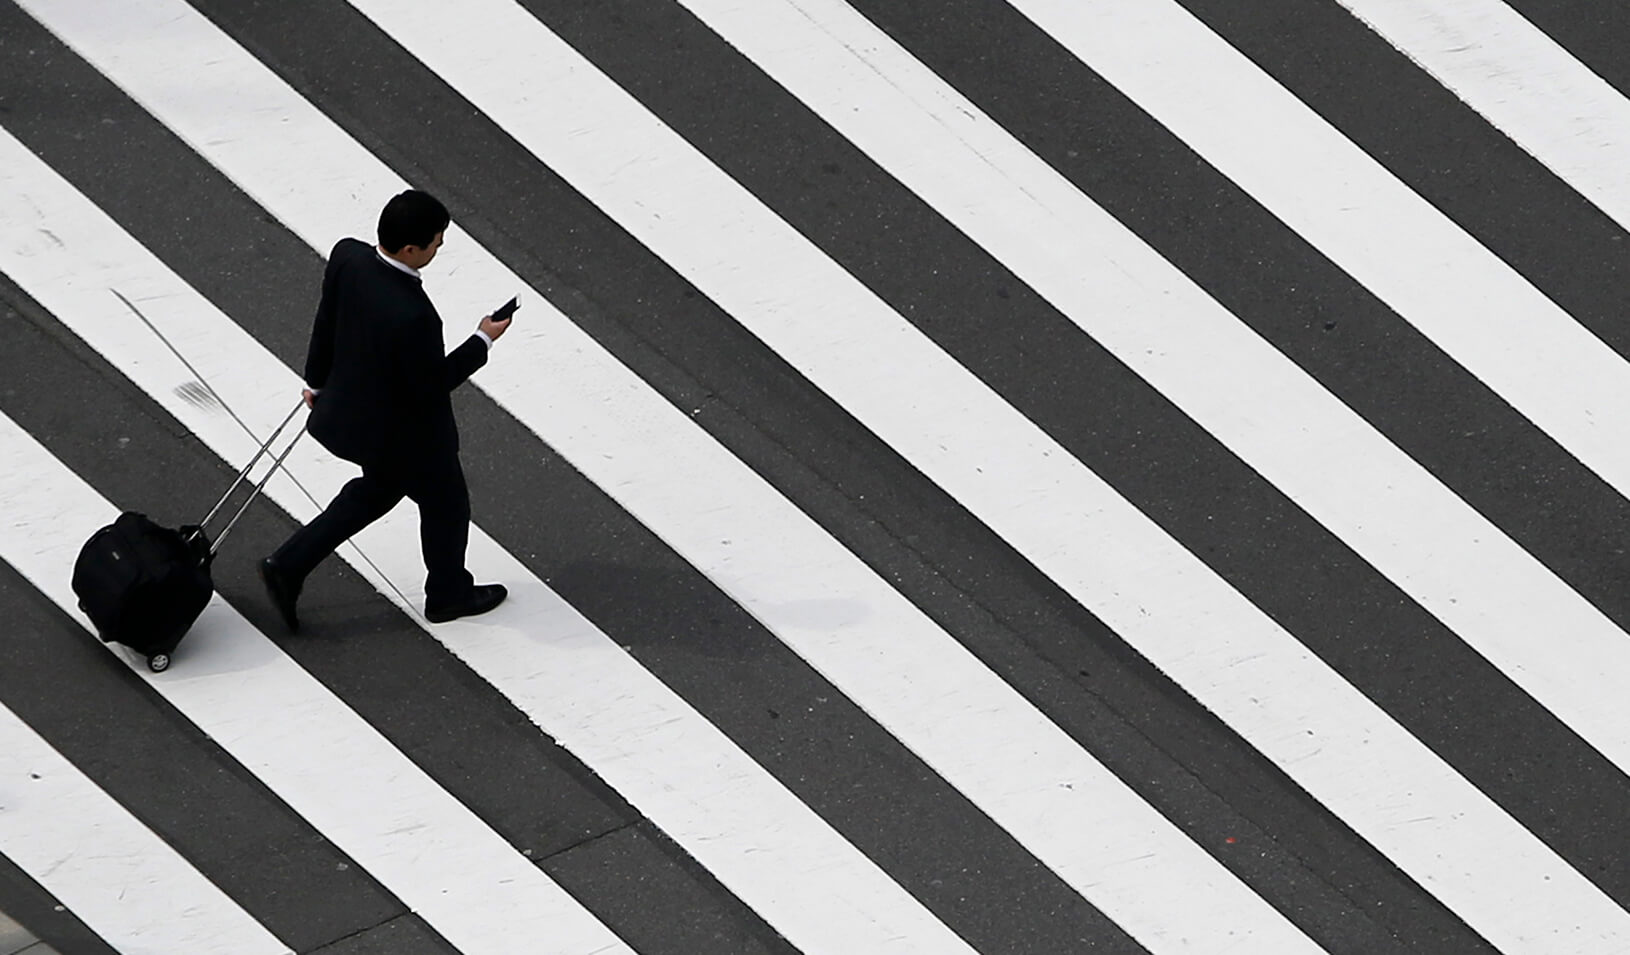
{"x":158,"y":662}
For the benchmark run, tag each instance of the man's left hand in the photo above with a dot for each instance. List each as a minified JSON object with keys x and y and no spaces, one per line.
{"x":494,"y":329}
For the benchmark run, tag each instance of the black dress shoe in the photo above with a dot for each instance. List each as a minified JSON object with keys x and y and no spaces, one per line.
{"x":284,"y":592}
{"x":480,"y":599}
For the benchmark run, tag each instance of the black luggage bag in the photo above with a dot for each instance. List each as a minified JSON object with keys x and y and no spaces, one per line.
{"x":143,"y":585}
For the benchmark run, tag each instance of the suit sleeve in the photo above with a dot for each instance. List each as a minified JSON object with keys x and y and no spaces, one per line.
{"x":463,"y":361}
{"x":426,"y":368}
{"x":320,"y":353}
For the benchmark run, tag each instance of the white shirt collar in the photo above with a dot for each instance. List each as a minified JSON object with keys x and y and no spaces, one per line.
{"x":393,"y":263}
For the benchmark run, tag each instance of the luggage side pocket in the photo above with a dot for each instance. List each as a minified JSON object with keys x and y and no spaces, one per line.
{"x":106,"y":574}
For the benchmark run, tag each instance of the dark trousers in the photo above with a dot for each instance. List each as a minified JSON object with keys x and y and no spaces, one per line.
{"x":436,"y":486}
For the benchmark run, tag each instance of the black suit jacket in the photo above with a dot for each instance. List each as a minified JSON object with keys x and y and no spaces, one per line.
{"x":376,"y":353}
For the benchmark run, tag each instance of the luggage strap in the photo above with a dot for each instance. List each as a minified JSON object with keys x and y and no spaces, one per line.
{"x":244,"y":475}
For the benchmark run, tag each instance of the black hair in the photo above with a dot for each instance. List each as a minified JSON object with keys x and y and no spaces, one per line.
{"x":411,"y":218}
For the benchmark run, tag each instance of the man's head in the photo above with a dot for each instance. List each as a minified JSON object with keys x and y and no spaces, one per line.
{"x":411,"y":227}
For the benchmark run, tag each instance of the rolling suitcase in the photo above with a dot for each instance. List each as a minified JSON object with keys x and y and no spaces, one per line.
{"x":143,"y":584}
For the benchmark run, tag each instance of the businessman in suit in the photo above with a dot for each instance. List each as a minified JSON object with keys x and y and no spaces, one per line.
{"x":378,"y":387}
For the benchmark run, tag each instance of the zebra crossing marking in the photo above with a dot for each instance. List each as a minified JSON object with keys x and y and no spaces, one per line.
{"x":889,"y":658}
{"x":1522,"y":82}
{"x":306,"y":745}
{"x":811,"y":312}
{"x":665,"y":758}
{"x":1456,"y":564}
{"x":129,"y":887}
{"x":1433,"y":274}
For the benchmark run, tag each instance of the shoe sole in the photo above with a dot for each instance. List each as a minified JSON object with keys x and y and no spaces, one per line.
{"x":448,"y":618}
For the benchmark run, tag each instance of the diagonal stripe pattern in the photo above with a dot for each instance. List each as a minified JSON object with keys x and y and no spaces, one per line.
{"x":963,"y":698}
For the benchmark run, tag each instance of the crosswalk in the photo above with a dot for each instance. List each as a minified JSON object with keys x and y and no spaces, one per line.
{"x":1027,"y":476}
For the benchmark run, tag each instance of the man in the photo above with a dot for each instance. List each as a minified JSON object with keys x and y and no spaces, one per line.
{"x":378,"y":390}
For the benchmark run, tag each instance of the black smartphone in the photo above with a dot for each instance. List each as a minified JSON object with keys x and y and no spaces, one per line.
{"x":506,"y":310}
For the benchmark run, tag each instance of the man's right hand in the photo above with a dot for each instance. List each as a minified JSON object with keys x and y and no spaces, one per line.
{"x":310,"y":396}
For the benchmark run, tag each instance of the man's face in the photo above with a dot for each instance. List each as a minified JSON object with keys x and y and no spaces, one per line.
{"x":419,"y":256}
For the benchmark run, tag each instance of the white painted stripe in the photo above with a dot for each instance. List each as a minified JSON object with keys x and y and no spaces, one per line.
{"x":882,"y":652}
{"x":111,"y":871}
{"x":1523,"y":82}
{"x":312,"y":751}
{"x":831,"y":328}
{"x":1504,"y":330}
{"x":1434,"y":274}
{"x":641,"y":738}
{"x":269,"y":714}
{"x":1455,"y":563}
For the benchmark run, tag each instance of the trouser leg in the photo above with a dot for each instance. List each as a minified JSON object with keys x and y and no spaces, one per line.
{"x":362,"y":501}
{"x":444,"y":528}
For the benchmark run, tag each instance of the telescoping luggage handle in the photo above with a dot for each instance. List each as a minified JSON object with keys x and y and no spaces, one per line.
{"x":244,"y":475}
